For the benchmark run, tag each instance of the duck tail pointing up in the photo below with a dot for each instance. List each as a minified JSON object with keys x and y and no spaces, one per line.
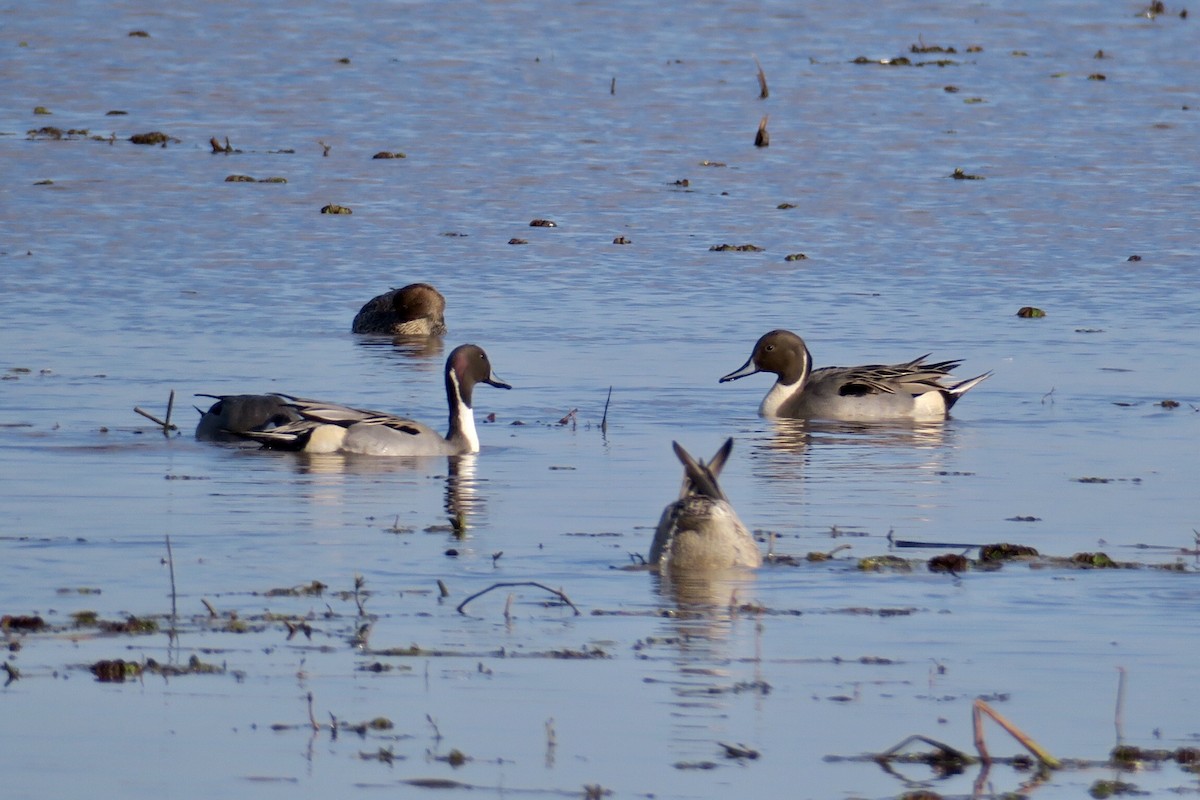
{"x":962,"y":387}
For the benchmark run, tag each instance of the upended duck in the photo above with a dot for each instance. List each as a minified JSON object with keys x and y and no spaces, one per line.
{"x":870,"y":393}
{"x":414,"y":310}
{"x":235,"y":414}
{"x":700,"y":531}
{"x":330,"y":428}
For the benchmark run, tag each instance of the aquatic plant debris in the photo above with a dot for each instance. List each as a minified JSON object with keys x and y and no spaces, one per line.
{"x":556,"y":592}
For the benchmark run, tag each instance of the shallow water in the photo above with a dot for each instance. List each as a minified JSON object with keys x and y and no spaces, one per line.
{"x":139,"y":270}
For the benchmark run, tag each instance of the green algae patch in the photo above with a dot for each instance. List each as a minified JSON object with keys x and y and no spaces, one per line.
{"x":1004,"y":551}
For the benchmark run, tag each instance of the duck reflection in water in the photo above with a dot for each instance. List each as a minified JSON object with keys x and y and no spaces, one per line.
{"x":461,"y":499}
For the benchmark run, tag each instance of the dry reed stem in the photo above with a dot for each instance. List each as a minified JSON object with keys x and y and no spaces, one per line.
{"x":980,"y":708}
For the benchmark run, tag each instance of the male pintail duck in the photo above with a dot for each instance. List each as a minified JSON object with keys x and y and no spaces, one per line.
{"x":415,"y":310}
{"x":875,"y":392}
{"x":330,"y":428}
{"x":700,"y":531}
{"x":234,"y":414}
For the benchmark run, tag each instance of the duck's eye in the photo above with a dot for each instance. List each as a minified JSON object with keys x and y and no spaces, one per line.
{"x":769,"y":348}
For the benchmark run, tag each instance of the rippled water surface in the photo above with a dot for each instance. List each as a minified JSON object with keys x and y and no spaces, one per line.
{"x":130,"y":271}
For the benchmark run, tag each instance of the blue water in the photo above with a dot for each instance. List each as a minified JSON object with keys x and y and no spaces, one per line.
{"x":139,"y":270}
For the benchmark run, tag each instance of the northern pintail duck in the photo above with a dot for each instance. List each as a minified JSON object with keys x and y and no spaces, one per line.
{"x":874,"y":392}
{"x":234,"y":414}
{"x":330,"y":428}
{"x":700,"y":531}
{"x":415,"y":310}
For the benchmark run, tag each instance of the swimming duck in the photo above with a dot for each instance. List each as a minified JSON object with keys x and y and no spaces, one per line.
{"x":875,"y":392}
{"x":234,"y":414}
{"x":700,"y":531}
{"x":415,"y":310}
{"x":331,"y":428}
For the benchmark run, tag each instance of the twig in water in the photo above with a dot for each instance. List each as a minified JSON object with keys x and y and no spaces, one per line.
{"x":166,"y":425}
{"x":325,"y":148}
{"x":359,"y":582}
{"x":443,"y":589}
{"x":437,"y":734}
{"x":212,"y":612}
{"x":508,"y":608}
{"x":604,"y":419}
{"x":1048,"y":396}
{"x":1119,"y":720}
{"x":171,"y":567}
{"x":316,"y":726}
{"x":496,"y":557}
{"x":958,"y":755}
{"x":979,"y":708}
{"x":763,"y":92}
{"x":612,"y":85}
{"x":556,"y":592}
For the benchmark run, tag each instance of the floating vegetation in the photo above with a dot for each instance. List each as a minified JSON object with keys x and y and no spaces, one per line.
{"x":785,"y":206}
{"x":1004,"y":551}
{"x":516,"y":240}
{"x":40,"y":110}
{"x":1030,"y":312}
{"x":905,"y":61}
{"x":795,"y":257}
{"x":386,"y":154}
{"x":313,"y":589}
{"x":921,"y":47}
{"x":885,"y":563}
{"x":115,"y":671}
{"x":132,"y":624}
{"x":736,"y":248}
{"x":153,"y":137}
{"x":959,"y":175}
{"x":21,"y":623}
{"x":1097,"y":76}
{"x":1094,"y":561}
{"x":543,"y":223}
{"x":621,"y":240}
{"x":51,"y":132}
{"x":334,"y":208}
{"x":949,"y":562}
{"x":249,"y":179}
{"x":139,"y":35}
{"x":85,"y":619}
